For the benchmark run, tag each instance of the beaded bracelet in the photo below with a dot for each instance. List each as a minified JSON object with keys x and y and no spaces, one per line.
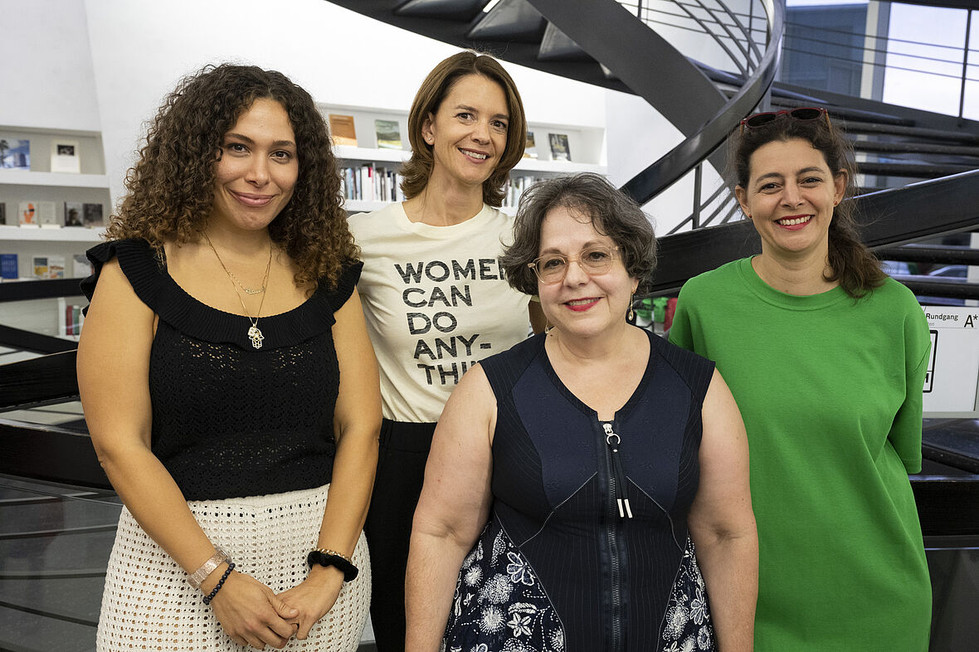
{"x":217,"y":587}
{"x":334,"y":559}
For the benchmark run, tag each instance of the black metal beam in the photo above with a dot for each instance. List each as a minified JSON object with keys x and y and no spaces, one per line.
{"x":926,"y":253}
{"x":18,"y":338}
{"x":38,"y":381}
{"x":50,"y":454}
{"x":42,"y":289}
{"x":645,"y":61}
{"x":930,"y":286}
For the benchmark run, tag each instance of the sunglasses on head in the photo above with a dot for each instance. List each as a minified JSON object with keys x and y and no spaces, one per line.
{"x":804,"y":113}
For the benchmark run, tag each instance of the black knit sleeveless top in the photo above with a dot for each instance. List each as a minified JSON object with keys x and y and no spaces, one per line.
{"x":230,"y":420}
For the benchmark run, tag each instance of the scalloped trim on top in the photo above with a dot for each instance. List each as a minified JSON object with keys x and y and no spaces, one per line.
{"x":155,"y":287}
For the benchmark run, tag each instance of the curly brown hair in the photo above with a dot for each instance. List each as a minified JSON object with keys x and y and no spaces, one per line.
{"x":437,"y":85}
{"x":853,"y":265}
{"x":171,"y":187}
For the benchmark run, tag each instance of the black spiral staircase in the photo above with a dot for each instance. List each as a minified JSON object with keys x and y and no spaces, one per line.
{"x":920,"y":176}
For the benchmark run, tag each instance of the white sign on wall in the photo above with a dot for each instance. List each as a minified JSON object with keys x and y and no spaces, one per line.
{"x":953,"y":367}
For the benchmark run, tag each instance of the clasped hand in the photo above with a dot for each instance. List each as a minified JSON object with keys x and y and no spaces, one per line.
{"x":252,"y":614}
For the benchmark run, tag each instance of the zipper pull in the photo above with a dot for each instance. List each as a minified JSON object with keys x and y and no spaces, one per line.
{"x":613,"y":441}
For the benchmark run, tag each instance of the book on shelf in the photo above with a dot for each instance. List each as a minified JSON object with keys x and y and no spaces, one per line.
{"x":15,"y":153}
{"x":370,"y":183}
{"x":342,"y":129}
{"x":47,"y":214}
{"x":92,"y":214}
{"x":388,"y":134}
{"x":516,"y":186}
{"x":530,"y":149}
{"x":27,"y":213}
{"x":72,"y":319}
{"x":559,"y":147}
{"x":8,"y":267}
{"x":80,"y":266}
{"x":65,"y":156}
{"x":73,"y":213}
{"x":49,"y":266}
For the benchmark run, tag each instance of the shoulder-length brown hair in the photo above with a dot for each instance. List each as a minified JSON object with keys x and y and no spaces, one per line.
{"x":851,"y":263}
{"x":417,"y":170}
{"x":171,"y":187}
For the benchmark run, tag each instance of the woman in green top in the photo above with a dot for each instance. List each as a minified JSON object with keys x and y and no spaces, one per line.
{"x":826,"y":357}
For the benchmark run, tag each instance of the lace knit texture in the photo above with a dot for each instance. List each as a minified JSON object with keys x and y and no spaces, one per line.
{"x":230,"y":420}
{"x":149,"y":605}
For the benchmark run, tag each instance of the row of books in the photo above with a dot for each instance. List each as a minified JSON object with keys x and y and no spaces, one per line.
{"x":387,"y":135}
{"x":516,"y":187}
{"x":15,"y":153}
{"x":371,"y":183}
{"x":46,"y":213}
{"x":381,"y":184}
{"x":45,"y":266}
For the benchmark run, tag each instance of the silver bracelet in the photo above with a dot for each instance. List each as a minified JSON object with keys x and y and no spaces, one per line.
{"x":208,"y":567}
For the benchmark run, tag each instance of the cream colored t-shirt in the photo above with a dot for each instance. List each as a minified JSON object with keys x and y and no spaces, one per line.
{"x":436,"y":302}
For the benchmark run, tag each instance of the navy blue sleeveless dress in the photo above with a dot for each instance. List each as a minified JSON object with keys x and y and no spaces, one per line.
{"x":587,"y":546}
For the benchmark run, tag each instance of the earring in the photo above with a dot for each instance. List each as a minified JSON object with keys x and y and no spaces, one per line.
{"x":631,"y":316}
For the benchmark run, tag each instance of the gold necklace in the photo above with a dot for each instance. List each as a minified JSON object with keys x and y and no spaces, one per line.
{"x":243,"y":288}
{"x":254,"y":334}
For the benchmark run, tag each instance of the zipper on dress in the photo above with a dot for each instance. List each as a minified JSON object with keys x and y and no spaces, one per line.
{"x":620,"y":489}
{"x":616,"y":483}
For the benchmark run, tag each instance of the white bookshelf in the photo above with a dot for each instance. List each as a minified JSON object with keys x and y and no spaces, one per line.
{"x":17,"y":177}
{"x":585,"y":144}
{"x":39,"y":184}
{"x":48,"y":234}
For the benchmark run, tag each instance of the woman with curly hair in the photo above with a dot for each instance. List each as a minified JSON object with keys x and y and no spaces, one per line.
{"x":228,"y":381}
{"x":435,"y":298}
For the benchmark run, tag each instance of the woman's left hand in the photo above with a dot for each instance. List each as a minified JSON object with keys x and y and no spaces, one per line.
{"x":313,"y":597}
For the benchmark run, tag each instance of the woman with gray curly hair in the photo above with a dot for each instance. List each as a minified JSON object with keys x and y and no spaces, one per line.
{"x":588,"y":488}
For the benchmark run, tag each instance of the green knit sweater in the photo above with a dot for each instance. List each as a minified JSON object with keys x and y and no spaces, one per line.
{"x":830,"y":391}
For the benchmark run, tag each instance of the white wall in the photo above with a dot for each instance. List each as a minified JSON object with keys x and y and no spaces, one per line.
{"x":638,"y":135}
{"x":46,"y":77}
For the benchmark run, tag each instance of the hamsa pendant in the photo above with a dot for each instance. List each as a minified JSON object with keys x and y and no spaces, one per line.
{"x":256,"y":337}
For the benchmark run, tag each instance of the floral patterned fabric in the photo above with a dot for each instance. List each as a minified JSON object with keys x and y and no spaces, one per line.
{"x":688,"y":626}
{"x":499,"y":603}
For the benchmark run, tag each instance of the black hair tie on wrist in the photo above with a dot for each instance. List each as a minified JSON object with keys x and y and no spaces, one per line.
{"x":347,"y":568}
{"x":217,"y":587}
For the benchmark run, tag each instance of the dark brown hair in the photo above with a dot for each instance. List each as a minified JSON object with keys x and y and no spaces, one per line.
{"x":853,"y":265}
{"x":611,"y":212}
{"x":437,"y":85}
{"x":171,"y":187}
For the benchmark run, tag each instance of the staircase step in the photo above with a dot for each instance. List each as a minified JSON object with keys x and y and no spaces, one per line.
{"x":863,"y":145}
{"x":510,"y":20}
{"x":461,"y":10}
{"x":912,"y":170}
{"x":558,"y":46}
{"x":913,"y":132}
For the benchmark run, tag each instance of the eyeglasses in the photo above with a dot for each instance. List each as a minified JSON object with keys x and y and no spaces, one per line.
{"x":552,"y":268}
{"x":803,"y":113}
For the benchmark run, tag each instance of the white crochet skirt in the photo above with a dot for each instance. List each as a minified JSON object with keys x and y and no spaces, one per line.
{"x":148,"y":604}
